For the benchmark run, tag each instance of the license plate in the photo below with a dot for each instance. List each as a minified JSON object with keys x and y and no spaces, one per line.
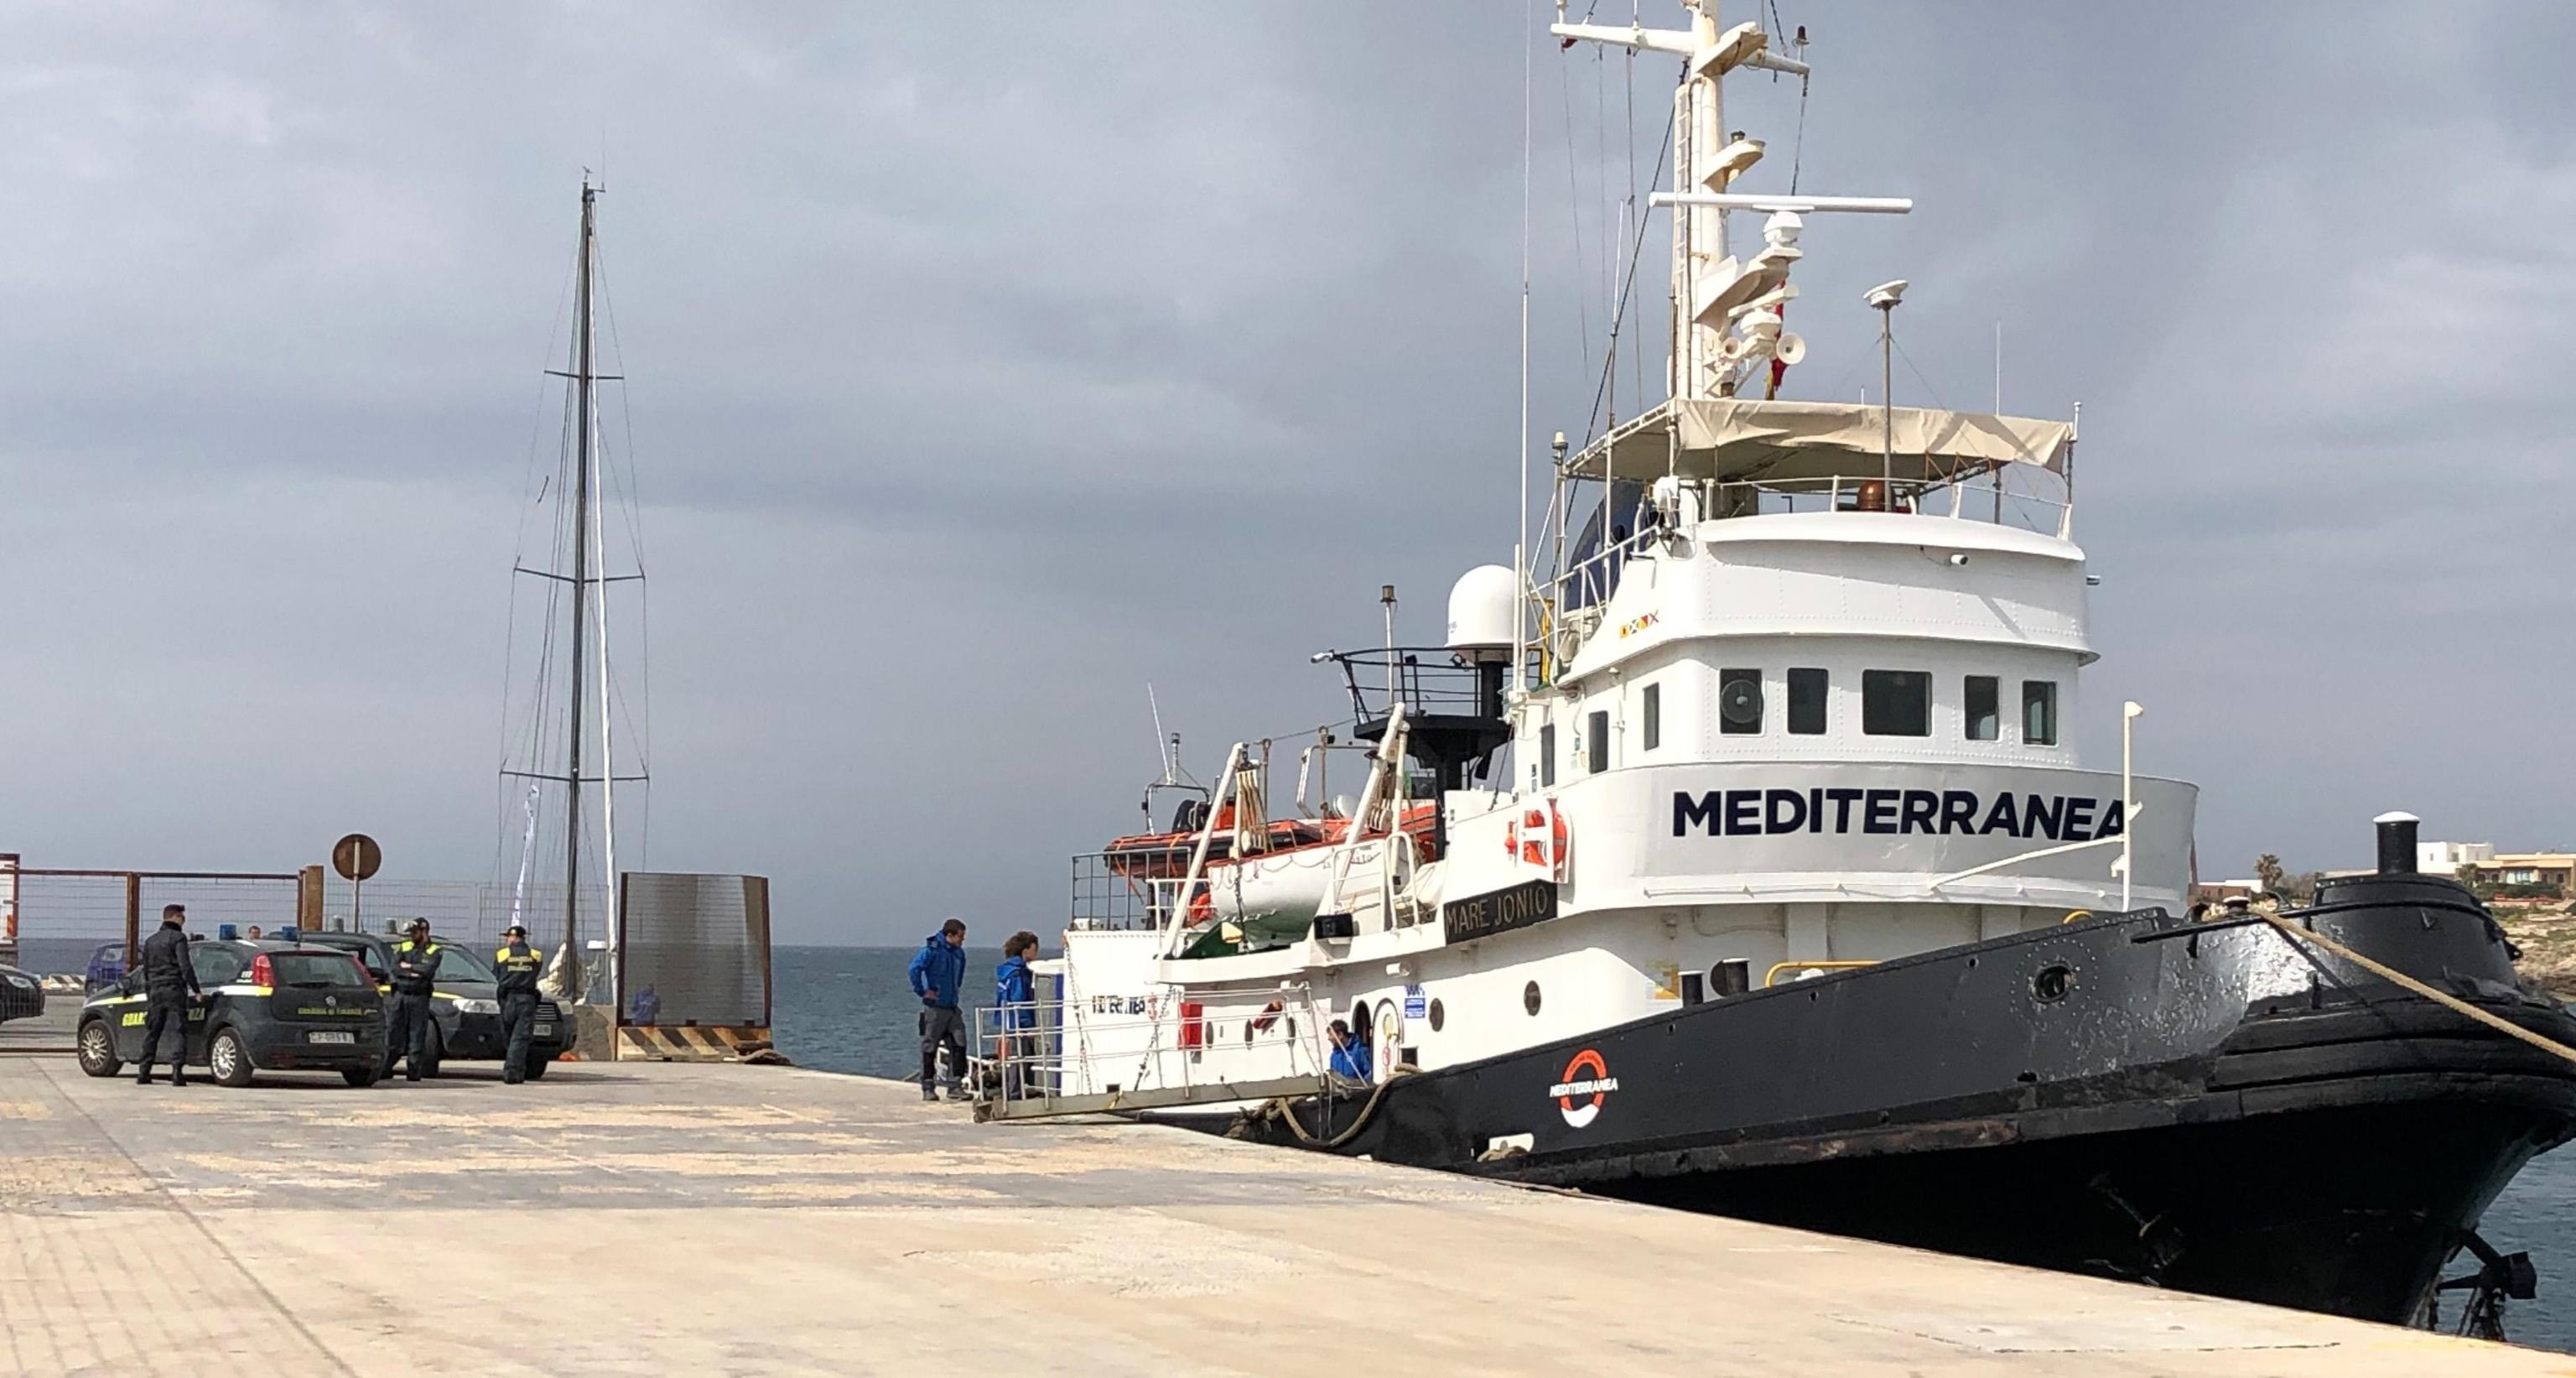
{"x":331,"y":1036}
{"x":544,"y":1031}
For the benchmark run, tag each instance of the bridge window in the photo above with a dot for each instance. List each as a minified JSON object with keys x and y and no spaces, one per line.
{"x":1654,"y":716}
{"x":2039,"y":712}
{"x":1985,"y":708}
{"x":1739,"y":702}
{"x":1547,"y":756}
{"x":1807,"y":702}
{"x":1896,"y":703}
{"x":1596,"y":736}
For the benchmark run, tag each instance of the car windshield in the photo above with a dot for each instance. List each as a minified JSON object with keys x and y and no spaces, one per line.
{"x":315,"y":969}
{"x":460,"y":964}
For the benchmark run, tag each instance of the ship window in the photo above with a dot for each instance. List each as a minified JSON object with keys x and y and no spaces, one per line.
{"x":1739,"y":702}
{"x":1896,"y":703}
{"x":1529,"y":998}
{"x":1596,"y":739}
{"x":1807,"y":702}
{"x":2039,"y":712}
{"x":1653,"y":712}
{"x":1547,"y":755}
{"x":1985,"y":708}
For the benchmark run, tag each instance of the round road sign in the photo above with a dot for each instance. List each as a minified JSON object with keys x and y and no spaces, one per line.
{"x":356,"y":857}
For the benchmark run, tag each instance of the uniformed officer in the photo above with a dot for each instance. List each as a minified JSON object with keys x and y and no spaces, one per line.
{"x":169,"y":988}
{"x":415,"y":975}
{"x":518,"y":965}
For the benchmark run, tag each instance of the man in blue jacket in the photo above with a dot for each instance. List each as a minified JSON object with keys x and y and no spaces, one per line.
{"x":1350,"y":1056}
{"x":1015,"y":990}
{"x":938,"y":971}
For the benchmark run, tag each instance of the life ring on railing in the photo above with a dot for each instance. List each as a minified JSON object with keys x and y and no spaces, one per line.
{"x":1537,"y":837}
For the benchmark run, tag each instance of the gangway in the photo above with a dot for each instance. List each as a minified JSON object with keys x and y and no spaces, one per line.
{"x":1041,"y":1059}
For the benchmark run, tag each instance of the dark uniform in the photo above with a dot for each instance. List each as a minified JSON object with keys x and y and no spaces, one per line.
{"x":169,"y":987}
{"x":407,"y":1017}
{"x":517,"y":965}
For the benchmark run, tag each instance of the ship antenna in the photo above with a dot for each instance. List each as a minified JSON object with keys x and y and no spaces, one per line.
{"x":1162,"y":753}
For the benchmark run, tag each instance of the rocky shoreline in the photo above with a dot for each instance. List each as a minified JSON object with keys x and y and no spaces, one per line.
{"x":2548,"y":942}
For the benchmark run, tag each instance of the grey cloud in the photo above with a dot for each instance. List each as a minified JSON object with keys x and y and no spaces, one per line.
{"x":983,"y":372}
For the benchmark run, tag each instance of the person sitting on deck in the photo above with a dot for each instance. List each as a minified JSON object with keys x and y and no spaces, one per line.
{"x":1350,"y":1056}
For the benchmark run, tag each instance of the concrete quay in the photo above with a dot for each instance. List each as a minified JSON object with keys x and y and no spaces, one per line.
{"x":665,"y":1219}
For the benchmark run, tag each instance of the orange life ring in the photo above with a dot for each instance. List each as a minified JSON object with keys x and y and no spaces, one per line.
{"x":1543,"y":844}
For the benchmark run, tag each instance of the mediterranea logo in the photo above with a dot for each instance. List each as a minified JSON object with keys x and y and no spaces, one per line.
{"x":1588,"y":1079}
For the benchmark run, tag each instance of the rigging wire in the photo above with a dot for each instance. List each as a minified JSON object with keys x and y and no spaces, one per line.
{"x":543,"y":482}
{"x":1574,"y":202}
{"x":623,"y":471}
{"x":1520,"y":551}
{"x":1628,"y":289}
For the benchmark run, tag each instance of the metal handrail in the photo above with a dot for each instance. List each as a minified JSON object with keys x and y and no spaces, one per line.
{"x":1772,"y":977}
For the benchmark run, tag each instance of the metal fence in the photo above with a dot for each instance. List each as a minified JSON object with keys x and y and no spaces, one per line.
{"x":694,"y":949}
{"x":470,"y":912}
{"x":61,"y":917}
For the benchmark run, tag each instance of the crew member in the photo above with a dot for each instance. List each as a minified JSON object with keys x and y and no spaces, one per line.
{"x":1350,"y":1056}
{"x":407,"y":1016}
{"x":518,"y":965}
{"x":938,"y":970}
{"x":169,"y":988}
{"x":1015,"y":989}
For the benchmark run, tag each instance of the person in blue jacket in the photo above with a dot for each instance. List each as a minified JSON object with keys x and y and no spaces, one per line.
{"x":1350,"y":1056}
{"x":1015,"y":991}
{"x":938,"y":971}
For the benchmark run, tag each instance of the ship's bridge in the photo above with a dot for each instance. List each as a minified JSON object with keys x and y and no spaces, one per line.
{"x":1777,"y":580}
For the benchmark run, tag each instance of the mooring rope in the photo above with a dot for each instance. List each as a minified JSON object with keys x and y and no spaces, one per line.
{"x":2448,"y":1001}
{"x":1286,"y":1109}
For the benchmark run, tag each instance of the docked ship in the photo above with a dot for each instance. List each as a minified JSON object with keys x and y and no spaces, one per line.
{"x":1736,"y":856}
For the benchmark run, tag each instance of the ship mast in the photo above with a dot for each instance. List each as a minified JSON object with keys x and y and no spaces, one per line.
{"x":584,"y":380}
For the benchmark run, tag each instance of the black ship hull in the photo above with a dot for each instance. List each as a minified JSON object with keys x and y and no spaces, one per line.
{"x":2201,"y":1105}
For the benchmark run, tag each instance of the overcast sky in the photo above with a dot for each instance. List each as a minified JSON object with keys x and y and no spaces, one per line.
{"x":984,"y":368}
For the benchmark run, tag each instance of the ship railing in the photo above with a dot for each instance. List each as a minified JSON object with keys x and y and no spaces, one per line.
{"x":1585,"y":585}
{"x":1995,"y":501}
{"x":1110,"y":894}
{"x":1425,"y":679}
{"x":1138,"y":1051}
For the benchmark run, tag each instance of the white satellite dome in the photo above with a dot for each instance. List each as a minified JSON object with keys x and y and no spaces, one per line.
{"x":1484,"y":610}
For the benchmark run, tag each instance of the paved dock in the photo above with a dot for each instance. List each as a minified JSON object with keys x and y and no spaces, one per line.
{"x":663,"y":1219}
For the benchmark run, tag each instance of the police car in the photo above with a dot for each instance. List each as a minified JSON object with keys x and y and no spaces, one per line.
{"x":465,"y":1004}
{"x":269,"y":1006}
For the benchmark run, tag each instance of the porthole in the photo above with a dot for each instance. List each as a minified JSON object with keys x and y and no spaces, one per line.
{"x":1439,"y":1016}
{"x":1247,"y":1033}
{"x":1292,"y":1028}
{"x":1529,"y":997}
{"x":2051,"y":984}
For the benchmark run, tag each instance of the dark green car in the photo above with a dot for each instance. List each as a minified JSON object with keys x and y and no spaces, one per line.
{"x":269,"y":1007}
{"x":465,"y":1005}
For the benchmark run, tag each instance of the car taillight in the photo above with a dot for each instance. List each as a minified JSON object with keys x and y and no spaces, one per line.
{"x":261,"y":973}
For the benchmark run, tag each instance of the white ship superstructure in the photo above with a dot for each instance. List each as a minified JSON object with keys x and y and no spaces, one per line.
{"x":1798,"y":696}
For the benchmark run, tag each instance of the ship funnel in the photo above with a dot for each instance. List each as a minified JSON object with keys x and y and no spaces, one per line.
{"x":2397,"y":843}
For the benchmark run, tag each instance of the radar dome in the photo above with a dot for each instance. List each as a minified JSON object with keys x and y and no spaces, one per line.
{"x":1484,"y":613}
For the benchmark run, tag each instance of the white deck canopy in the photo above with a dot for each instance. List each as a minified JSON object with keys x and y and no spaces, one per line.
{"x":1732,"y":440}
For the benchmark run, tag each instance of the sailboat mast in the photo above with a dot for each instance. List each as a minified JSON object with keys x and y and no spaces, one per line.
{"x":583,"y":380}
